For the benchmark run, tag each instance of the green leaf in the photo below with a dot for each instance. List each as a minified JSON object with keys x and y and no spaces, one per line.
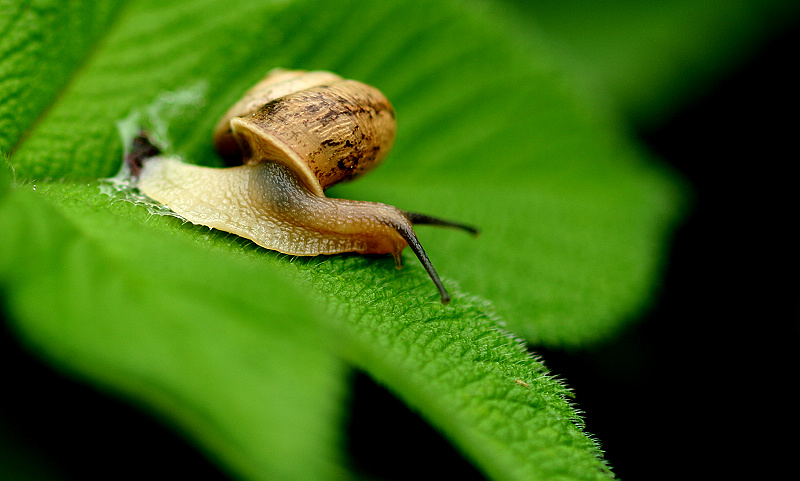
{"x":465,"y":374}
{"x":145,"y":313}
{"x":579,"y":193}
{"x":242,"y":348}
{"x":41,"y":46}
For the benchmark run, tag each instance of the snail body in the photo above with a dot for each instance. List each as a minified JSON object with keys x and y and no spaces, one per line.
{"x":296,"y":134}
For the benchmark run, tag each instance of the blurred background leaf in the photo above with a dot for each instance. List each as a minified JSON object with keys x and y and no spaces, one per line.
{"x":652,"y":58}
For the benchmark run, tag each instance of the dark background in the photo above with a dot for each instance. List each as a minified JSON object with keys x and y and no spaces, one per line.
{"x":704,"y":385}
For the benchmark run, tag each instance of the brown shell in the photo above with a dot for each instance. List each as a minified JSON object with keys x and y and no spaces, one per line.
{"x":276,"y":84}
{"x":325,"y":128}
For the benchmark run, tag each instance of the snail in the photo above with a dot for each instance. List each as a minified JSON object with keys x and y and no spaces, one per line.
{"x":296,"y":133}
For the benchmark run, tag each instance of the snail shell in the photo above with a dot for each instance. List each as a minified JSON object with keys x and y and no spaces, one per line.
{"x":348,"y":127}
{"x":296,"y":133}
